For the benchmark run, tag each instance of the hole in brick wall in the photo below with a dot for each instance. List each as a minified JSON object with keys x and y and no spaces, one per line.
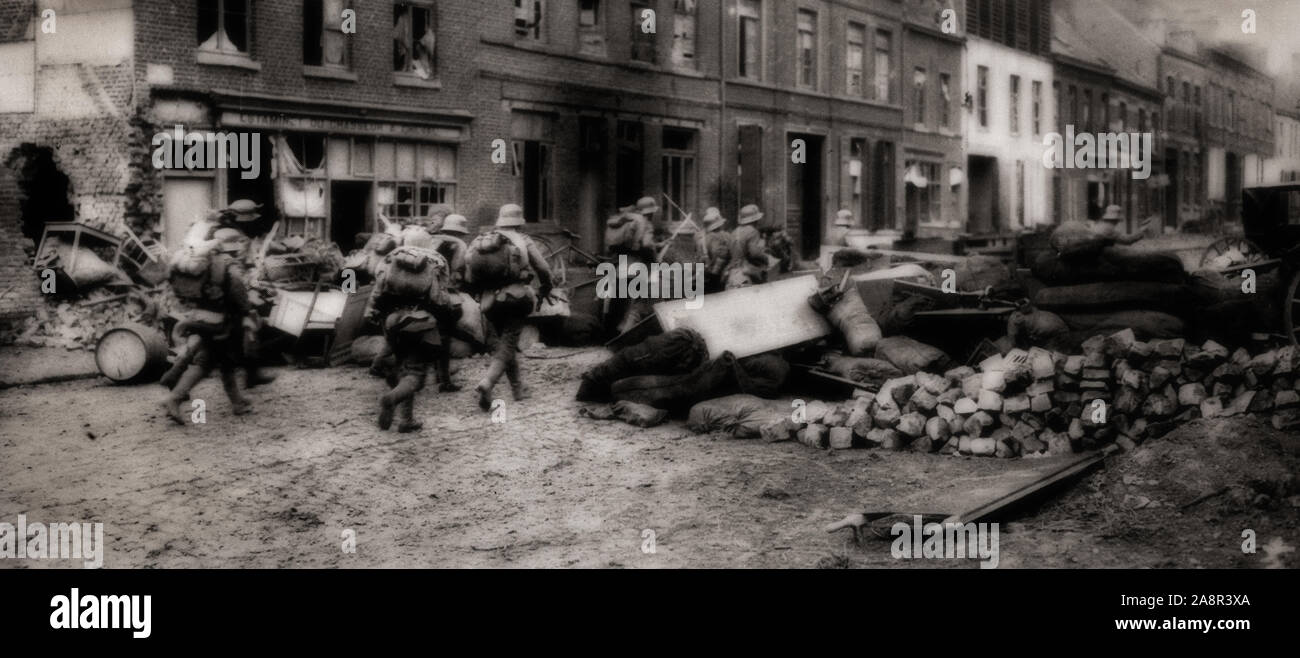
{"x":43,"y":188}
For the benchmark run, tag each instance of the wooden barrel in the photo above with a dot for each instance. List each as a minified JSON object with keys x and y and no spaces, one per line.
{"x":131,"y":353}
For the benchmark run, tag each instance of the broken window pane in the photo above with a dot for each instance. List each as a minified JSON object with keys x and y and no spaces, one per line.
{"x":414,"y":40}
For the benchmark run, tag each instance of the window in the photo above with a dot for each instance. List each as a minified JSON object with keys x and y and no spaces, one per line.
{"x":1036,"y":105}
{"x":922,"y":194}
{"x":945,"y":100}
{"x":414,"y":40}
{"x":751,"y":37}
{"x":1123,"y":116}
{"x":679,"y":181}
{"x":1056,"y":98}
{"x":224,"y":26}
{"x":1104,"y":114}
{"x":982,"y":95}
{"x":1015,"y":105}
{"x":1086,"y":119}
{"x":1021,"y":195}
{"x":528,"y":19}
{"x":1187,"y":105}
{"x":806,"y":47}
{"x":643,"y":43}
{"x":413,"y":177}
{"x":1072,"y":105}
{"x":323,"y":40}
{"x":883,"y":67}
{"x":918,"y":96}
{"x":591,"y":29}
{"x":854,"y":59}
{"x":684,"y":33}
{"x":1196,"y":101}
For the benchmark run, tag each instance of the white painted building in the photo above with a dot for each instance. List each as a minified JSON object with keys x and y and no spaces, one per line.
{"x":1284,"y":166}
{"x":1010,"y":108}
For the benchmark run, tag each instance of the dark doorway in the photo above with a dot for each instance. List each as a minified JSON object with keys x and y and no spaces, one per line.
{"x":1232,"y":181}
{"x":591,"y":198}
{"x":803,"y":197}
{"x":983,"y":194}
{"x":882,"y":188}
{"x":630,"y":172}
{"x":349,"y":202}
{"x":44,"y":188}
{"x":262,"y":189}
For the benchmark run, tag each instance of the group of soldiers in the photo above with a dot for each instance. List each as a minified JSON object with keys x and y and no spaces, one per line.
{"x":415,"y":300}
{"x":420,"y":272}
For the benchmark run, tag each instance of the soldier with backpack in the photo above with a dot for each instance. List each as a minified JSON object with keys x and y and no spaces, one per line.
{"x":410,"y":301}
{"x":209,"y":284}
{"x":501,"y":266}
{"x":449,"y":241}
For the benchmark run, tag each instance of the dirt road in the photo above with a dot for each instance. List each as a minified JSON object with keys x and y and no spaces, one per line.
{"x":545,"y":488}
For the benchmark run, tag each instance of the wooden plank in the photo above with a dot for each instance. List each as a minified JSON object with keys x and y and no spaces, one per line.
{"x":750,"y":320}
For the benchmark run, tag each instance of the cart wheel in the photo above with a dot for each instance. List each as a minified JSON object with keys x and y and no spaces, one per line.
{"x":555,"y":259}
{"x":1291,"y":309}
{"x":1233,"y":251}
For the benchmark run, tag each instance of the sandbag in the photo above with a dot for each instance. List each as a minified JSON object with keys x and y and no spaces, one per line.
{"x":675,"y":392}
{"x":1078,"y":240}
{"x":1114,"y":263}
{"x":364,"y":349}
{"x":911,"y":356}
{"x":1145,"y":324}
{"x":850,"y":257}
{"x":761,"y":374}
{"x":850,"y":316}
{"x":574,"y":330}
{"x":739,"y":415}
{"x":979,"y":272}
{"x":871,"y":373}
{"x":676,"y":352}
{"x":1119,"y":295}
{"x":1034,"y":327}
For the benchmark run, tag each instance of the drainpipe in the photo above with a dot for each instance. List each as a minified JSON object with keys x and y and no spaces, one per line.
{"x":722,"y":96}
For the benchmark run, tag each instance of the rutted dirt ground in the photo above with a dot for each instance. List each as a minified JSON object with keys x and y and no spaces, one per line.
{"x":277,"y":488}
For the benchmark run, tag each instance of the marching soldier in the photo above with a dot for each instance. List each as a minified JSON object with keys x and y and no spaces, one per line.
{"x":501,"y":265}
{"x":410,"y":302}
{"x":449,"y":242}
{"x":717,"y":250}
{"x":748,"y":250}
{"x":216,"y":296}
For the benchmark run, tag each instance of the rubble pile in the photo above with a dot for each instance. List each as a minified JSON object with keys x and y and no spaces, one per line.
{"x":1039,"y":402}
{"x":79,"y":325}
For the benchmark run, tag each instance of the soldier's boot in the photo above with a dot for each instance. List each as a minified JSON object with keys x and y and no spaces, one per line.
{"x":484,"y":387}
{"x":446,"y":385}
{"x":406,"y":421}
{"x":181,"y":392}
{"x":389,"y":402}
{"x":517,"y":387}
{"x":239,"y":404}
